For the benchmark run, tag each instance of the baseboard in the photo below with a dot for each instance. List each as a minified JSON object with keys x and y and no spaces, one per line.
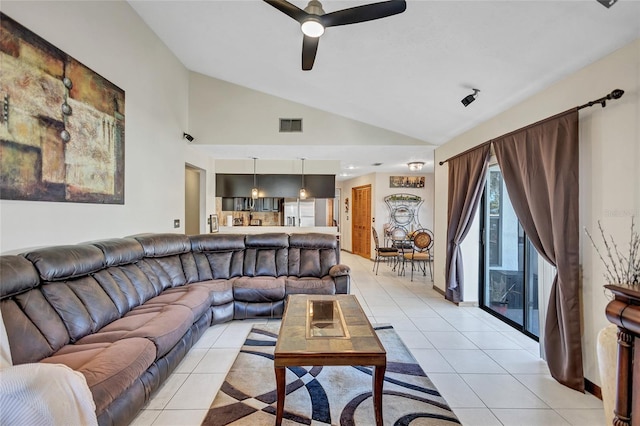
{"x":593,"y":389}
{"x":438,"y":290}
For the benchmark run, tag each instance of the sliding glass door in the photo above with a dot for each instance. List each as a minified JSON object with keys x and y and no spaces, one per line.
{"x":509,"y":284}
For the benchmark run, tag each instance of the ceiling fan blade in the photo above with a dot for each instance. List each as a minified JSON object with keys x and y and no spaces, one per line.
{"x":289,"y":9}
{"x":367,"y":12}
{"x":309,"y":49}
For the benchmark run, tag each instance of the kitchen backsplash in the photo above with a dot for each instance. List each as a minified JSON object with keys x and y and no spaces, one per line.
{"x":241,"y":218}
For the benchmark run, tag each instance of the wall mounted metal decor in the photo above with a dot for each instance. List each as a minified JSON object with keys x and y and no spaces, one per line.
{"x":61,"y":127}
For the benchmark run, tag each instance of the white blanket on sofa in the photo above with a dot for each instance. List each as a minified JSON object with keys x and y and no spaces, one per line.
{"x":42,"y":394}
{"x":45,"y":394}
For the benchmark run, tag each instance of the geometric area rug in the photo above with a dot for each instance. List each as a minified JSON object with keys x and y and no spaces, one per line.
{"x":331,"y":395}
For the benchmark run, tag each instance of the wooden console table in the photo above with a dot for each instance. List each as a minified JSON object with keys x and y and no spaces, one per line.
{"x":624,"y":311}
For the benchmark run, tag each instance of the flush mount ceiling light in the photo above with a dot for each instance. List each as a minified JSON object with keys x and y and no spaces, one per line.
{"x":470,"y":98}
{"x":415,"y":166}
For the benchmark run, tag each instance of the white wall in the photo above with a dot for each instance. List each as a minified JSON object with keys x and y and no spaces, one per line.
{"x":609,"y":176}
{"x":110,"y":38}
{"x":379,"y":210}
{"x":283,"y":167}
{"x":346,"y":242}
{"x":207,"y":184}
{"x":225,"y":113}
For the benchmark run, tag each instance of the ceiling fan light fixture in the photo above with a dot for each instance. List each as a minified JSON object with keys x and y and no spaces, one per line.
{"x":415,"y":166}
{"x":312,"y":27}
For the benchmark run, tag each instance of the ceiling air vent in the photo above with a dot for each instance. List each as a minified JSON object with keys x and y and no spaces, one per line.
{"x":288,"y":125}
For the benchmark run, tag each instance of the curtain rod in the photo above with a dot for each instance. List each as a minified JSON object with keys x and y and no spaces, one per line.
{"x":615,"y":94}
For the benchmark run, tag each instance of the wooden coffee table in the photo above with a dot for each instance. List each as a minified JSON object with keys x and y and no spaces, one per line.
{"x":320,"y":330}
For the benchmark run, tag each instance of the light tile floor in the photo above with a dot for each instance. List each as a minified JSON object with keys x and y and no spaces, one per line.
{"x":489,"y":373}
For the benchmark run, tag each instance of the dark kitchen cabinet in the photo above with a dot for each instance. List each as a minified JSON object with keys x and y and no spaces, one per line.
{"x":269,"y":204}
{"x":280,"y":186}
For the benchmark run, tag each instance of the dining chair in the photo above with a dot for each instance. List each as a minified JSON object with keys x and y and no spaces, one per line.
{"x":386,"y":253}
{"x":420,"y":255}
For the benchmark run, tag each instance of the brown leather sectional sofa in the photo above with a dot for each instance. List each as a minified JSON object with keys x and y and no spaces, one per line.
{"x":124,"y":312}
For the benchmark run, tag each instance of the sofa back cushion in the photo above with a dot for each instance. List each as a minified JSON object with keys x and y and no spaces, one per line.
{"x":163,"y":257}
{"x":82,"y":304}
{"x":312,"y":254}
{"x":69,"y":285}
{"x":127,"y":280}
{"x":120,"y":251}
{"x":34,"y":329}
{"x":218,"y":256}
{"x":266,"y":255}
{"x":61,"y":263}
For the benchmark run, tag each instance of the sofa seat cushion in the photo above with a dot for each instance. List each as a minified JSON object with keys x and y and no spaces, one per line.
{"x":259,"y":289}
{"x":109,"y":368}
{"x":163,"y":325}
{"x":310,"y":285}
{"x":221,"y":291}
{"x":195,"y":298}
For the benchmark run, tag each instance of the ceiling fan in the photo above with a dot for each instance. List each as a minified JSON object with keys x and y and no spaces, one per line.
{"x":313,"y":20}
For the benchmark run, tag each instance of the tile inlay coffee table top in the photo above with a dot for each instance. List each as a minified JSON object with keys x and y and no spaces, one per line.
{"x":323,"y":330}
{"x":297,"y":337}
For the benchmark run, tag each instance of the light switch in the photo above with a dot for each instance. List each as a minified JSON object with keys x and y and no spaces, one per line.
{"x":176,"y":223}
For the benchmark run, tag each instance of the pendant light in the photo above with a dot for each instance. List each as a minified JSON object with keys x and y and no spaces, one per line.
{"x":303,"y":192}
{"x":254,"y":190}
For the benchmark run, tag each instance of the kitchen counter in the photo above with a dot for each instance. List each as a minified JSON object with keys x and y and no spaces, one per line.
{"x":270,"y":229}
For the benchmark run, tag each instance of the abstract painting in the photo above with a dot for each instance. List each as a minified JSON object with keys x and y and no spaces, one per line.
{"x":61,"y":124}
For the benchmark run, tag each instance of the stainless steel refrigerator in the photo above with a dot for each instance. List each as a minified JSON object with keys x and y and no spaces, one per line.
{"x":299,"y":212}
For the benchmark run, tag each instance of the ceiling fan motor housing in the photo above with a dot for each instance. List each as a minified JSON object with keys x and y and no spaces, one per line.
{"x":315,"y":8}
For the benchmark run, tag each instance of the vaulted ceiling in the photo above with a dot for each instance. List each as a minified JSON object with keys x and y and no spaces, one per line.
{"x":406,"y":73}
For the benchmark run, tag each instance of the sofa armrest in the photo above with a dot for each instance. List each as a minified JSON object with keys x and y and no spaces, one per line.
{"x":343,"y":284}
{"x":341,"y":276}
{"x":339,"y":270}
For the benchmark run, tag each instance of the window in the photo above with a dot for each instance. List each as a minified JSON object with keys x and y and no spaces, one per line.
{"x":509,"y":282}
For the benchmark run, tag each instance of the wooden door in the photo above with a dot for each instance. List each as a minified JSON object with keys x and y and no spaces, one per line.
{"x":361,"y":221}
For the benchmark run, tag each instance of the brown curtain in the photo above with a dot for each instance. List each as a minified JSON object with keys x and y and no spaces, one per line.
{"x":540,"y":169}
{"x":467,"y":174}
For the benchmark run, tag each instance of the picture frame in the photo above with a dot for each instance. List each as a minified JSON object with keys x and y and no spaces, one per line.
{"x":73,"y":150}
{"x":406,"y":181}
{"x":213,"y":223}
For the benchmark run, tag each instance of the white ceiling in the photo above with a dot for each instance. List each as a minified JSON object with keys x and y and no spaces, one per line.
{"x":406,"y":73}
